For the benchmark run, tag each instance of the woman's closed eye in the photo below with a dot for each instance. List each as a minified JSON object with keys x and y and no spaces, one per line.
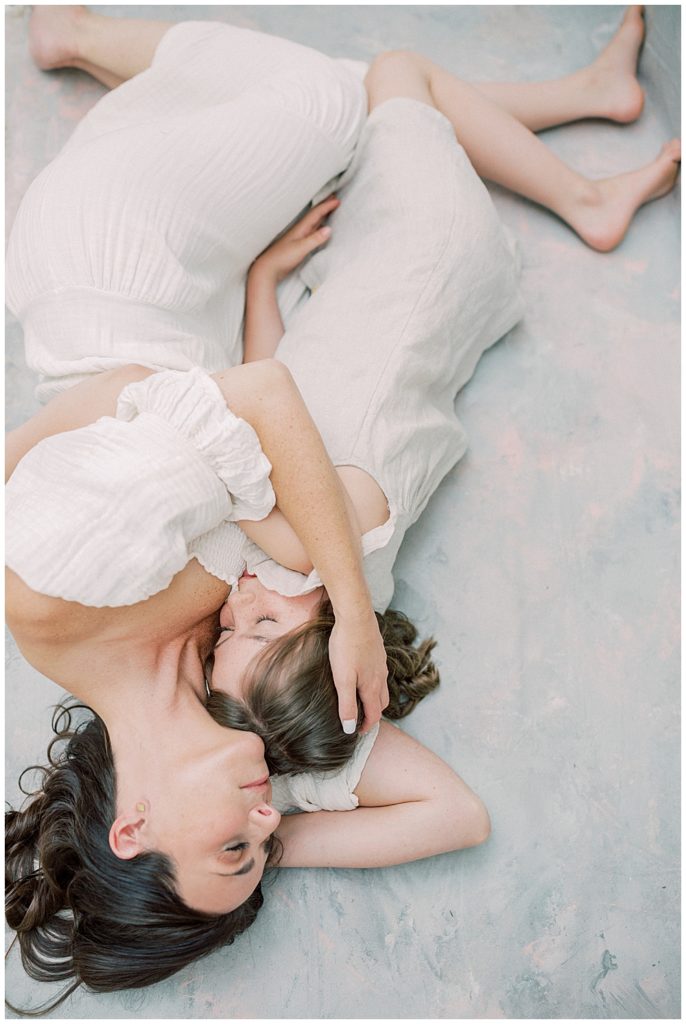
{"x":233,"y":853}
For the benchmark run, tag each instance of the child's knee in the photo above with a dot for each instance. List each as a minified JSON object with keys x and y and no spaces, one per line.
{"x":397,"y":73}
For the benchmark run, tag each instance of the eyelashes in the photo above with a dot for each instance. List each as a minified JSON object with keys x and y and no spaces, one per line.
{"x":234,"y":849}
{"x":262,"y":618}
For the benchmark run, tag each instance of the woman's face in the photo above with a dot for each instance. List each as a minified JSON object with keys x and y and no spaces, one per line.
{"x":251,"y":618}
{"x":216,"y":821}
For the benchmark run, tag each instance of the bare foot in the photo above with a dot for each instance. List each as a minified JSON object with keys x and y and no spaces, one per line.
{"x":53,"y":35}
{"x":603,"y":216}
{"x":611,"y":78}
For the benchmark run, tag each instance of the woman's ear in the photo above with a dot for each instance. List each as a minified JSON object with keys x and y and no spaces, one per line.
{"x":126,"y":840}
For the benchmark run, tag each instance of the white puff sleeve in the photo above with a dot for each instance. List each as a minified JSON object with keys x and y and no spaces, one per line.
{"x":324,"y":791}
{"x":106,"y":515}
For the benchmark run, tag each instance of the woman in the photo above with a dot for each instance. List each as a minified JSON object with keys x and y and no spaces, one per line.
{"x":61,"y":427}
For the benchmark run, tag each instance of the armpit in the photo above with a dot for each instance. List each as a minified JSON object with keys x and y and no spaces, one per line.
{"x":368,"y":500}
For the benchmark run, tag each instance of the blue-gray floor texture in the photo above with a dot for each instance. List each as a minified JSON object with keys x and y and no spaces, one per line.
{"x":547,"y":567}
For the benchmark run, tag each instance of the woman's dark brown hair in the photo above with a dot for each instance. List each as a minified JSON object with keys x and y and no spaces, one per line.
{"x":290,"y":701}
{"x":78,"y":910}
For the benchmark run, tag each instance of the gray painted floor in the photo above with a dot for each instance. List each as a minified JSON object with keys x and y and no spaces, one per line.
{"x":547,"y":567}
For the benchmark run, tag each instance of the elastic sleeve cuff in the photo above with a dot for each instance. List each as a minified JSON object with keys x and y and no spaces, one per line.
{"x":220,"y":552}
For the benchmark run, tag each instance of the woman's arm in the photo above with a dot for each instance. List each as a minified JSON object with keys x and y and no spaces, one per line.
{"x":310,"y":496}
{"x":412,"y":805}
{"x":78,"y":407}
{"x":85,"y":403}
{"x":366,"y":506}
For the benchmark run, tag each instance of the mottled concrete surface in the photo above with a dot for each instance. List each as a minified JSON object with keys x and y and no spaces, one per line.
{"x":547,"y":565}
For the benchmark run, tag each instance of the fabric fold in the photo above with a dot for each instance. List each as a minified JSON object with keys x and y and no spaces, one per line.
{"x":193,"y":404}
{"x":108,"y":514}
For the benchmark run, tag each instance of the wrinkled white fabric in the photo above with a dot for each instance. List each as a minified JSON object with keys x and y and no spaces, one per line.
{"x":324,"y":791}
{"x":104,"y":515}
{"x":419,"y":278}
{"x":134,"y":243}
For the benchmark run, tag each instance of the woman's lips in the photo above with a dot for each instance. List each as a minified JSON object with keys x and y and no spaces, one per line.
{"x":258,"y":783}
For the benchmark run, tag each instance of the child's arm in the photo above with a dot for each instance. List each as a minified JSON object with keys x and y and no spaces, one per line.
{"x":263,"y":325}
{"x":412,"y":805}
{"x":263,"y":331}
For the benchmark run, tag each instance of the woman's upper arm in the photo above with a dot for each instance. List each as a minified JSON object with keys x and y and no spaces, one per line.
{"x":78,"y":407}
{"x":47,"y":630}
{"x":86,"y":402}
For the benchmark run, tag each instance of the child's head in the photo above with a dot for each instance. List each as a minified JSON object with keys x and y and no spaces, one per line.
{"x":287,"y":696}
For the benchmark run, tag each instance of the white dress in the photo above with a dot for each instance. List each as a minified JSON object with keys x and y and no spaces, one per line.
{"x":418,"y":280}
{"x":133,"y":244}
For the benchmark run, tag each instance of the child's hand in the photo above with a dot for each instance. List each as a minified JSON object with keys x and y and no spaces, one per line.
{"x":303,"y":238}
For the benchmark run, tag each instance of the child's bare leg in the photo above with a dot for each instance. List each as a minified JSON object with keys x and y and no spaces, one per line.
{"x":504,"y":150}
{"x":110,"y":49}
{"x":607,"y":88}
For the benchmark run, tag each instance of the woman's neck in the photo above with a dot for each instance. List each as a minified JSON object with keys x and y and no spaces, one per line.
{"x":162,"y":728}
{"x":148,"y":680}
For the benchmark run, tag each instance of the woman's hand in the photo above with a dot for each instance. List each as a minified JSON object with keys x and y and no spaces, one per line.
{"x":358,"y":662}
{"x":291,"y":249}
{"x":312,"y":498}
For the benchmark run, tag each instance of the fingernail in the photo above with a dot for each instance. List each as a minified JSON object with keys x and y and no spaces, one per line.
{"x":349,"y":726}
{"x":326,"y":231}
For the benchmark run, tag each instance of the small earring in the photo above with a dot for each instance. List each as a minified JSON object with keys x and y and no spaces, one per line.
{"x":140,"y":807}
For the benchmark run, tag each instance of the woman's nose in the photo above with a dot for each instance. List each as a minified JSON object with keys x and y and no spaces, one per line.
{"x":266,"y":818}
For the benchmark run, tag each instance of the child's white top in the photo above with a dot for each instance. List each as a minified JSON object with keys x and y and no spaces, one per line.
{"x":324,"y":791}
{"x":419,"y":278}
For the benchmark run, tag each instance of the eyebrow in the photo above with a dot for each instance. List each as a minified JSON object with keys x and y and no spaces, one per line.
{"x":249,"y":864}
